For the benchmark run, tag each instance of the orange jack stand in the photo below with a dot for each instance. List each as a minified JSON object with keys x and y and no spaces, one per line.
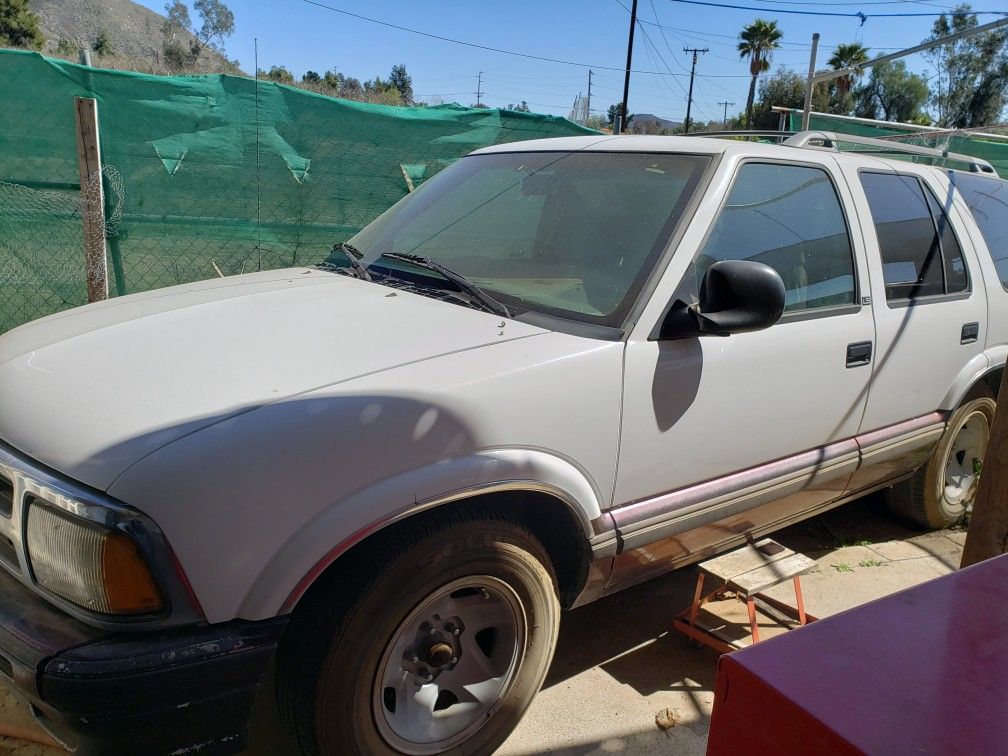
{"x":745,"y":573}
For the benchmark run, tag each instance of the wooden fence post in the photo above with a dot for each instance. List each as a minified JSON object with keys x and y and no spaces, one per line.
{"x":92,"y":198}
{"x":987,"y":536}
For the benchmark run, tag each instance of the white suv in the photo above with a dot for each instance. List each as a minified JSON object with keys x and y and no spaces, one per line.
{"x":555,"y":370}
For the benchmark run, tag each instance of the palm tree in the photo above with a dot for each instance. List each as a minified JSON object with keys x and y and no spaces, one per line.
{"x":757,"y":41}
{"x":851,"y":55}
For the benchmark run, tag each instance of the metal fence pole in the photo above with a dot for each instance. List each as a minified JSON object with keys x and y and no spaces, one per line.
{"x":92,"y":198}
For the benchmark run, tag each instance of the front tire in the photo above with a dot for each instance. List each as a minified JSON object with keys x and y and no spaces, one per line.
{"x":941,"y":493}
{"x":441,"y":651}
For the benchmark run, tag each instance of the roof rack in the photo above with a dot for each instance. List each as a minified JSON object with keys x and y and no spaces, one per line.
{"x":766,"y":134}
{"x":829,"y":140}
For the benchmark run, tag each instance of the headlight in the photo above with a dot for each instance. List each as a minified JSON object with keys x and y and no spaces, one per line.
{"x":95,"y":568}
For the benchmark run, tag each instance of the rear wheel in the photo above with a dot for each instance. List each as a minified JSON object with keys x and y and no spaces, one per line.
{"x":942,"y":492}
{"x":441,"y":652}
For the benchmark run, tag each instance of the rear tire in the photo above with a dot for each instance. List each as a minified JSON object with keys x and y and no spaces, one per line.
{"x":941,"y":493}
{"x":440,"y":650}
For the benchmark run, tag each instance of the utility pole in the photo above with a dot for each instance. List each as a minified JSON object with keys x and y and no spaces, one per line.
{"x":621,"y":122}
{"x":479,"y":89}
{"x":726,"y":104}
{"x":588,"y":102}
{"x":810,"y":83}
{"x":689,"y":98}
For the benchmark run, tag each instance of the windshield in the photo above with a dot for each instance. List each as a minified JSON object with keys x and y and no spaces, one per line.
{"x":570,"y":234}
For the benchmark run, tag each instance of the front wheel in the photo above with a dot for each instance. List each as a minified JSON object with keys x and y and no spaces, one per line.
{"x":941,"y":493}
{"x":441,"y":652}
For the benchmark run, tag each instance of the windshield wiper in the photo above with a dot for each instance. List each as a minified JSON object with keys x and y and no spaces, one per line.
{"x":463,"y":283}
{"x":352,"y":255}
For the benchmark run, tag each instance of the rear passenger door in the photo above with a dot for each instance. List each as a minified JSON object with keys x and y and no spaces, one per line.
{"x":926,"y":290}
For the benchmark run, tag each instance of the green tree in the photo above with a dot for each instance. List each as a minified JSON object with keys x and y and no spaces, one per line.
{"x":218,"y":22}
{"x":19,"y":26}
{"x":278,"y":74}
{"x":312,"y":77}
{"x":757,"y":41}
{"x":102,"y":44}
{"x":973,"y":72}
{"x":521,"y":108}
{"x":178,"y":15}
{"x":892,"y":93}
{"x":785,"y":89}
{"x":383,"y":92}
{"x":403,"y":83}
{"x":343,"y":86}
{"x":851,"y":55}
{"x":613,"y":112}
{"x":179,"y":48}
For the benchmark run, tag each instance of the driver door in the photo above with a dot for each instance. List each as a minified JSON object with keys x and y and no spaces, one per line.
{"x":725,"y":437}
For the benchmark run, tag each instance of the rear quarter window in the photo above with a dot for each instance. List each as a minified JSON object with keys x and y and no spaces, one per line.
{"x":987,"y":199}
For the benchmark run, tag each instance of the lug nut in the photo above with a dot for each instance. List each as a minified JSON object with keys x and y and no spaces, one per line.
{"x":454,"y":660}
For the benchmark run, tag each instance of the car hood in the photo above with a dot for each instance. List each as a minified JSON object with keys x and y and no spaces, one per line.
{"x":90,"y":391}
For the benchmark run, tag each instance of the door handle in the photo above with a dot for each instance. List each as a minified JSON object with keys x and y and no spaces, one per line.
{"x":970,"y":333}
{"x":858,"y":353}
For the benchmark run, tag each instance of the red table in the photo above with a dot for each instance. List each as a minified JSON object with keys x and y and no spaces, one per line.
{"x":924,"y":671}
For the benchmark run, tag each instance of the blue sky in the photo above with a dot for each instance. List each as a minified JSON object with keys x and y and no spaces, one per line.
{"x":301,"y":36}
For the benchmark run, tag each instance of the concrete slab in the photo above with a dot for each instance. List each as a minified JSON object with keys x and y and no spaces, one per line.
{"x":576,"y":716}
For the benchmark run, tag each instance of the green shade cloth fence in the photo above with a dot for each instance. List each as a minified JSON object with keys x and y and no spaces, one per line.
{"x":217,"y":173}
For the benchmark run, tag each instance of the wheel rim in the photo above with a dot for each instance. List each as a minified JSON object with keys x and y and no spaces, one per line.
{"x":448,"y":665}
{"x":963,"y":461}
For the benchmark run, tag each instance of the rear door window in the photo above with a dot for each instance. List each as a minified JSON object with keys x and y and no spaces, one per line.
{"x":921,"y":256}
{"x":987,"y":199}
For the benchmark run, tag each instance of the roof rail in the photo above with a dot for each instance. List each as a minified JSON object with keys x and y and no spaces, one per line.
{"x":766,"y":133}
{"x":829,"y":140}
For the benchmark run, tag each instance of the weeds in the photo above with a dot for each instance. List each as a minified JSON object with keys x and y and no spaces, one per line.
{"x":871,"y":563}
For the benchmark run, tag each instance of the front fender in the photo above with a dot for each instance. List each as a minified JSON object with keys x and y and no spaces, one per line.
{"x":292,"y":570}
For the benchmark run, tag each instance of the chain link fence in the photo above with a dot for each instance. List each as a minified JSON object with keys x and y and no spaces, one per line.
{"x":204,"y":175}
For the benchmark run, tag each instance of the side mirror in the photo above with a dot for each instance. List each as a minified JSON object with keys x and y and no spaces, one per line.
{"x":738,"y":296}
{"x":735,"y":296}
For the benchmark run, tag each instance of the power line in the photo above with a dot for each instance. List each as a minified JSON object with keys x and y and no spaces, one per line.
{"x":848,"y":2}
{"x":654,"y":53}
{"x":476,"y":45}
{"x":863,"y":17}
{"x":479,"y":46}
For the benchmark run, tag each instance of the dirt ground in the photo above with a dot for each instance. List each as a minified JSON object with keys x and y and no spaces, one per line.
{"x":618,"y":664}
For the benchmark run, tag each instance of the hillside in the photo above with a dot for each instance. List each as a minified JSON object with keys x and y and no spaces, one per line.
{"x":134,"y":34}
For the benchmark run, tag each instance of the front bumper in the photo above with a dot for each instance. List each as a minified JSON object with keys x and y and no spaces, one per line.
{"x":186,"y":690}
